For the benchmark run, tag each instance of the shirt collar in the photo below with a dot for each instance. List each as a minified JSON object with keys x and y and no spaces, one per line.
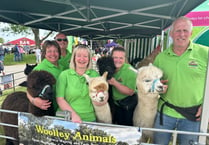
{"x":170,"y":49}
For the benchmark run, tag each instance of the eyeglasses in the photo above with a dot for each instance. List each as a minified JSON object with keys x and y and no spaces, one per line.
{"x":59,"y":39}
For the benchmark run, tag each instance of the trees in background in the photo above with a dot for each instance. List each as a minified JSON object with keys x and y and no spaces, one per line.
{"x":24,"y":30}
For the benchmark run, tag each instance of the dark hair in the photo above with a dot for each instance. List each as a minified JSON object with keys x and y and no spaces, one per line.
{"x":60,"y":34}
{"x":118,"y":48}
{"x":49,"y":43}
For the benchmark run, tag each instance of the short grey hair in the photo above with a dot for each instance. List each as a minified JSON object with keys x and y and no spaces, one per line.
{"x":184,"y":19}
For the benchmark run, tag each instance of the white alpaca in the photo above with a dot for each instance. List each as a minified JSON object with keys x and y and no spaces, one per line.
{"x":98,"y":91}
{"x":148,"y":86}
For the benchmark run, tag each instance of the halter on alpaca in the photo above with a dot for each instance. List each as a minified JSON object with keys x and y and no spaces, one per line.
{"x":46,"y":93}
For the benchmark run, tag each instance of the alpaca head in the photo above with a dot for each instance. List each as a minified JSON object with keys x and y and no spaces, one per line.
{"x":29,"y":68}
{"x":39,"y":84}
{"x":106,"y":64}
{"x":148,"y":80}
{"x":98,"y":88}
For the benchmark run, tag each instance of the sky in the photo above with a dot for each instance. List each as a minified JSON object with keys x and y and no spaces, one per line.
{"x":10,"y":37}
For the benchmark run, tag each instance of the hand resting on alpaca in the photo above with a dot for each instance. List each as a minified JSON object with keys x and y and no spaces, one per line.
{"x":39,"y":83}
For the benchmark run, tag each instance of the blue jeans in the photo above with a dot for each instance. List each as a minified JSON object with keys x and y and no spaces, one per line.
{"x":172,"y":123}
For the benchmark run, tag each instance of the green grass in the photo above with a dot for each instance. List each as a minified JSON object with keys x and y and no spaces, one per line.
{"x":9,"y":91}
{"x":9,"y":59}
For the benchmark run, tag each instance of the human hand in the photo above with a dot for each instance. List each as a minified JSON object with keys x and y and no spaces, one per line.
{"x":111,"y":81}
{"x":198,"y":114}
{"x":76,"y":118}
{"x":163,"y":81}
{"x":40,"y":103}
{"x":165,"y":87}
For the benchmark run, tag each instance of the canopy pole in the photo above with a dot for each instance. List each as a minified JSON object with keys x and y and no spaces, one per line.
{"x":162,"y":40}
{"x":205,"y":110}
{"x":91,"y":44}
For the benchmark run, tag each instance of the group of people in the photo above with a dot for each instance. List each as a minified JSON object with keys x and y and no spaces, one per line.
{"x":184,"y":64}
{"x":18,"y":52}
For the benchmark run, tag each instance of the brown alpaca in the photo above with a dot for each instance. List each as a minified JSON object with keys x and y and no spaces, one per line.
{"x":149,"y":59}
{"x":39,"y":83}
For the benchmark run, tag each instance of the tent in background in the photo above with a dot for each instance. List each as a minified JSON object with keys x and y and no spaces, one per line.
{"x":112,"y":44}
{"x":203,"y":38}
{"x":200,"y":19}
{"x":22,"y":41}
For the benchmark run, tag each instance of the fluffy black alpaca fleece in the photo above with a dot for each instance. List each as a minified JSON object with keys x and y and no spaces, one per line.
{"x":39,"y":83}
{"x":104,"y":64}
{"x":28,"y":69}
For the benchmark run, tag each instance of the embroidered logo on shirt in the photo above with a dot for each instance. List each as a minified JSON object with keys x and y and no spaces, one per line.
{"x":193,"y":64}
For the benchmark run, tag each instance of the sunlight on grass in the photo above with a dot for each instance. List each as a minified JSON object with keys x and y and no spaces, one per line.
{"x":9,"y":59}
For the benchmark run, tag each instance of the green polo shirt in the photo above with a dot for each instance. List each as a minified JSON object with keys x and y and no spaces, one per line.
{"x":74,"y":89}
{"x":126,"y":76}
{"x":186,"y":75}
{"x":54,"y":70}
{"x":65,"y":60}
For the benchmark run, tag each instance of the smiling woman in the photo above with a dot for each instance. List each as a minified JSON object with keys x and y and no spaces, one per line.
{"x":72,"y":89}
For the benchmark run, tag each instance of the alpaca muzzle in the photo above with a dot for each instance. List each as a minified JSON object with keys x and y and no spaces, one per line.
{"x":157,"y":86}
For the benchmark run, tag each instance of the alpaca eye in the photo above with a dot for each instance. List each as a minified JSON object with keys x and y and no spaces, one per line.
{"x":147,"y":81}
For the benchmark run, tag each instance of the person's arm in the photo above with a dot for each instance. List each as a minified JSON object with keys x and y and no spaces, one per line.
{"x":120,"y":87}
{"x":38,"y":102}
{"x":63,"y":105}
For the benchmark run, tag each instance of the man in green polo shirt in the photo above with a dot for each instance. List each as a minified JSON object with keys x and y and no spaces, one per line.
{"x":184,"y":65}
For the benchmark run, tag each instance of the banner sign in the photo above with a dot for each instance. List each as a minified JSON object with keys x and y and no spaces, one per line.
{"x":199,"y":18}
{"x":54,"y":131}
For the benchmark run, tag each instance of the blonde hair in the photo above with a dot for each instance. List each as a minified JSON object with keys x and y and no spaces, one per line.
{"x":75,"y":50}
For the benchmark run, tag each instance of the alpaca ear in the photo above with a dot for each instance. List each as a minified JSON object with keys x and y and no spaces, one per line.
{"x":105,"y":75}
{"x":150,"y":64}
{"x":87,"y":77}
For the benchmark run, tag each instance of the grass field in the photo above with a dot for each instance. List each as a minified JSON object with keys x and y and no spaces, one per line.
{"x":9,"y":59}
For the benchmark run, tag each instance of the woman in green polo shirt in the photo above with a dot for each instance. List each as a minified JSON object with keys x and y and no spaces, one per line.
{"x":50,"y":55}
{"x":72,"y":89}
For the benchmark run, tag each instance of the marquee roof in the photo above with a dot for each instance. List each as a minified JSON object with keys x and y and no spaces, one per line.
{"x":97,"y":19}
{"x":22,"y":41}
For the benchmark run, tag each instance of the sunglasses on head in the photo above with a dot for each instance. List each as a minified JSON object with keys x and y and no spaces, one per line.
{"x":59,"y":39}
